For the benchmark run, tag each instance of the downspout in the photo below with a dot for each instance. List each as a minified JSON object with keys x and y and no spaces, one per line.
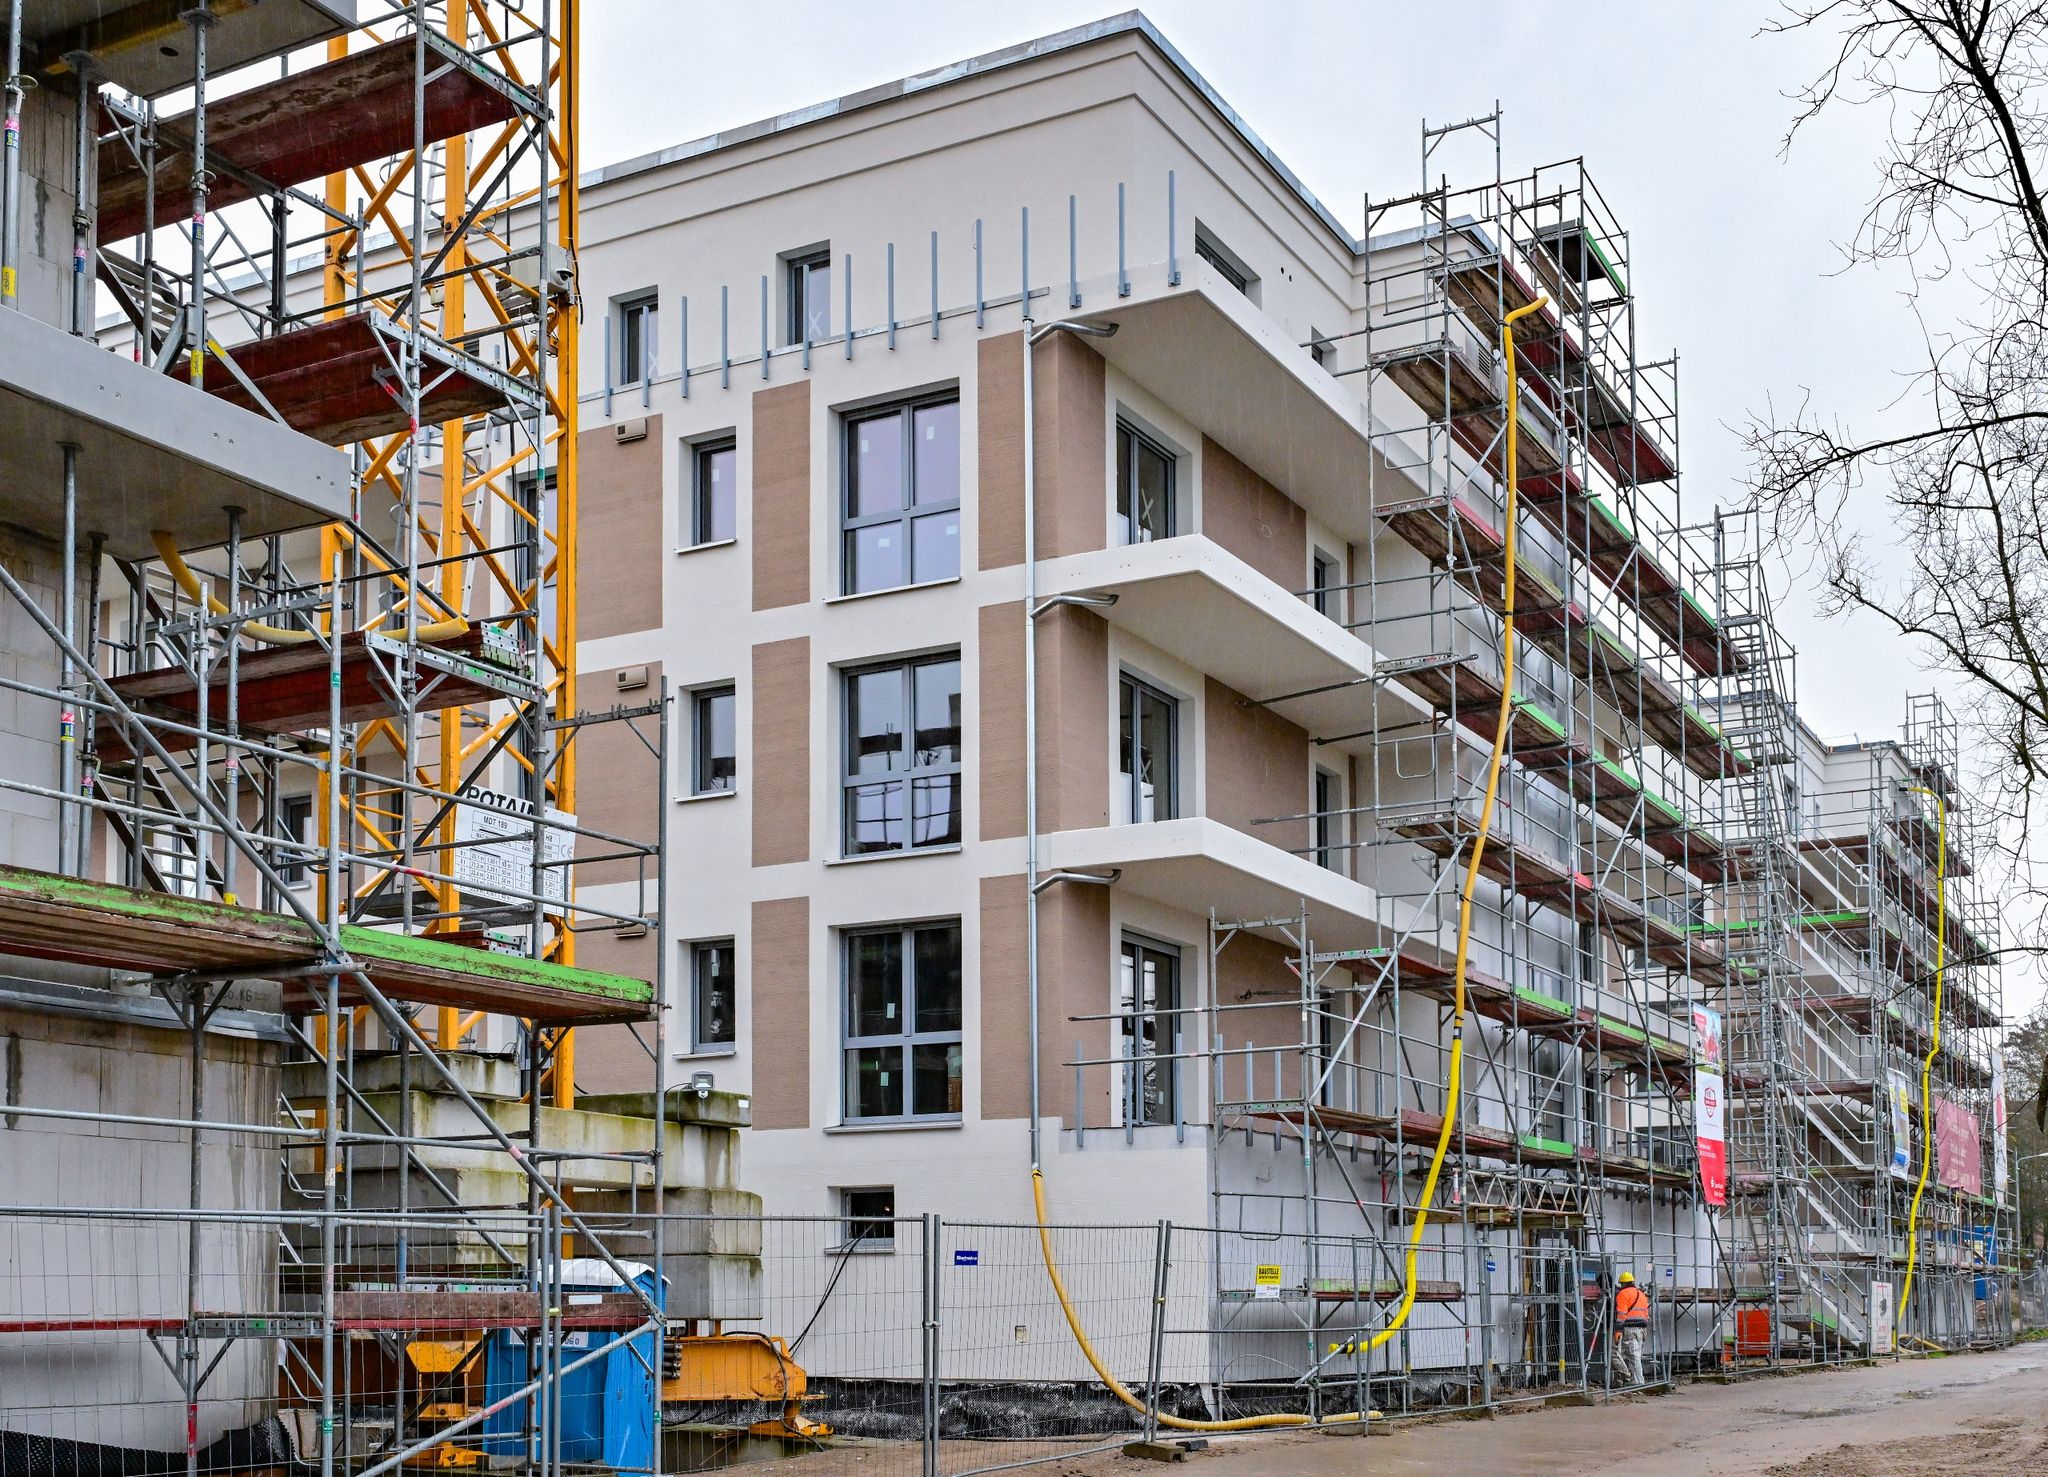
{"x":1031,"y":612}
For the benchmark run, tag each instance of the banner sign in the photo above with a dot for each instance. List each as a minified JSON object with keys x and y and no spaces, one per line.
{"x":1706,"y":1031}
{"x":1901,"y":1094}
{"x":1710,"y":1131}
{"x":1998,"y":1141}
{"x":1958,"y":1153}
{"x":1880,"y":1318}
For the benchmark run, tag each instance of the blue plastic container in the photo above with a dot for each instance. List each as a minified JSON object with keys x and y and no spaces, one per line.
{"x":607,"y":1405}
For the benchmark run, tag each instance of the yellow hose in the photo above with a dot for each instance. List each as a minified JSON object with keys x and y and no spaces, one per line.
{"x":167,"y":550}
{"x":1453,"y":1077}
{"x":1934,"y":1044}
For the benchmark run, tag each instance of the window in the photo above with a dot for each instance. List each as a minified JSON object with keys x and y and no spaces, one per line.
{"x":1227,"y":263}
{"x":902,"y":777}
{"x":901,"y":511}
{"x":1148,"y":993}
{"x":294,"y":823}
{"x":1321,"y":349}
{"x":1144,"y":486}
{"x":809,"y":294}
{"x":714,"y":996}
{"x":1148,"y":727}
{"x":1327,"y":582}
{"x":714,"y":753}
{"x":870,"y":1216}
{"x":638,"y":325}
{"x":903,"y":1022}
{"x":714,"y":474}
{"x":1328,"y":822}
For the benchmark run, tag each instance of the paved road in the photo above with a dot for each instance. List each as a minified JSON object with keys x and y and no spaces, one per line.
{"x":1983,"y":1415}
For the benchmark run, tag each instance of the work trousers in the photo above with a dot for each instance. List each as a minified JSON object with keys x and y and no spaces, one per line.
{"x":1628,"y":1354}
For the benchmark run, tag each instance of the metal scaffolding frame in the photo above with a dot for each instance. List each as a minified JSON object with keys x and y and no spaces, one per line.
{"x":407,"y":694}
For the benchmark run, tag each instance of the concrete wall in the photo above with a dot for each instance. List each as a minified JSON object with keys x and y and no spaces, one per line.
{"x":29,"y":725}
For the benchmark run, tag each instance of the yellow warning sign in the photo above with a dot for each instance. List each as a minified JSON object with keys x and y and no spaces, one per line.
{"x":1266,"y":1282}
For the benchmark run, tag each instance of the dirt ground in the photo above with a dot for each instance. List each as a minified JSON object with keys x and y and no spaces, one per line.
{"x":1976,"y":1414}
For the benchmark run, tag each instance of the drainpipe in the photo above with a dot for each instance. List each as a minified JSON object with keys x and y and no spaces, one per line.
{"x":1032,"y":335}
{"x":10,"y":170}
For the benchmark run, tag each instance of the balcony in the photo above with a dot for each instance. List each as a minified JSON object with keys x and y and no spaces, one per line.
{"x":1195,"y":863}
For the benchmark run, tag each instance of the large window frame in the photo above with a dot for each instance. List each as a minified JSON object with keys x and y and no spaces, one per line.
{"x":714,"y":719}
{"x":1326,"y":824}
{"x":1148,"y":1031}
{"x":914,"y":512}
{"x":294,"y":824}
{"x":1137,"y":702}
{"x":714,"y":490}
{"x":1136,"y":450}
{"x":639,"y":318}
{"x":900,"y":1038}
{"x":714,"y":986}
{"x":919,"y":759}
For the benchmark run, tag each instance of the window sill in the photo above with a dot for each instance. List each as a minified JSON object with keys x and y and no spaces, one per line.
{"x":717,"y":543}
{"x":894,"y":856}
{"x":894,"y":1125}
{"x":856,"y":1248}
{"x":732,"y":794}
{"x":707,"y":1053}
{"x":951,"y":579}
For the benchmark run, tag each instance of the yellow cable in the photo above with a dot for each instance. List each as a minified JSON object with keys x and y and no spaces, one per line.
{"x":1453,"y":1077}
{"x":167,"y":550}
{"x":1934,"y":1043}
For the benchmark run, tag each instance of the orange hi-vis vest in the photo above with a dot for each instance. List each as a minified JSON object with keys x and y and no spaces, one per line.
{"x":1632,"y":1307}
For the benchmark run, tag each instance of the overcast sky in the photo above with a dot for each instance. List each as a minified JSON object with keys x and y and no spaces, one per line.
{"x":1680,"y":111}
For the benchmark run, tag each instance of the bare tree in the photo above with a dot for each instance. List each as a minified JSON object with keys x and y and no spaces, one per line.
{"x":1961,"y":487}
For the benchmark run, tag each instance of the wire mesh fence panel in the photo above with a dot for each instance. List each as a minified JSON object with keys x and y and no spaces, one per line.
{"x":1014,"y":1382}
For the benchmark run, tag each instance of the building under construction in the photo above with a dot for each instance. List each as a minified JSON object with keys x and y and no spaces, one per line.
{"x":1183,"y":718}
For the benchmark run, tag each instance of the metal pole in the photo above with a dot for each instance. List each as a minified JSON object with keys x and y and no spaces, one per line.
{"x":81,"y":186}
{"x":331,"y":1027}
{"x":231,"y":758}
{"x":69,"y":818}
{"x":928,"y":1291}
{"x":1031,"y":731}
{"x":201,"y":19}
{"x":1162,"y":1249}
{"x":10,"y":176}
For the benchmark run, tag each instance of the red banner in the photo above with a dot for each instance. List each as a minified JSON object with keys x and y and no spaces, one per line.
{"x":1958,"y":1156}
{"x":1710,"y":1133}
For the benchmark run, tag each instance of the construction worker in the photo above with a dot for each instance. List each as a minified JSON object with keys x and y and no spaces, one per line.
{"x":1631,"y":1327}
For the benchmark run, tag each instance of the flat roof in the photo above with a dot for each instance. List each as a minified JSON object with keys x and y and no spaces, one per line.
{"x":1130,"y":22}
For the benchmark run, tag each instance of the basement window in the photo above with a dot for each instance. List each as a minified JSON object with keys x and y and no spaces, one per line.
{"x":868,"y":1216}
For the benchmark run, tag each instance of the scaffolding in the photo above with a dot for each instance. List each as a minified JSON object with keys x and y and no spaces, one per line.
{"x":1619,"y":819}
{"x":319,"y":732}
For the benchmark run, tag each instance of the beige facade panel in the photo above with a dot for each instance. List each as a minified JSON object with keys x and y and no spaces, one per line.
{"x":608,"y":1058}
{"x":1253,"y":519}
{"x":1071,"y":447}
{"x":1073,"y":720}
{"x":1257,"y":766}
{"x":782,"y":495}
{"x":1002,"y":719}
{"x":999,"y":471}
{"x":780,"y":755}
{"x":619,"y":532}
{"x":1005,"y":1066}
{"x":620,"y":787}
{"x":1076,"y":957}
{"x":779,"y":984}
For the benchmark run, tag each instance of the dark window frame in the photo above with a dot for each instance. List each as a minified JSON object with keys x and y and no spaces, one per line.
{"x":1155,"y":1102}
{"x":851,"y":781}
{"x":293,"y":869}
{"x":1130,"y":779}
{"x":858,"y":1223}
{"x":798,"y":270}
{"x":904,"y":1042}
{"x":1131,"y":439}
{"x":638,"y":357}
{"x":908,"y":509}
{"x":1326,"y":597}
{"x":1325,"y":826}
{"x":1229,"y":266}
{"x":704,"y":779}
{"x":702,"y":514}
{"x":701,"y":1043}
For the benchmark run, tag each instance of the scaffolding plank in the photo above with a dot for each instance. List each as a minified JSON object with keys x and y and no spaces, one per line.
{"x":440,"y":1311}
{"x":48,"y":916}
{"x":311,"y":123}
{"x":334,"y":381}
{"x":284,"y":689}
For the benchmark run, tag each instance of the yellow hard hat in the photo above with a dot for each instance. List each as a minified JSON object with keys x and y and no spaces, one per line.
{"x":1628,"y":1276}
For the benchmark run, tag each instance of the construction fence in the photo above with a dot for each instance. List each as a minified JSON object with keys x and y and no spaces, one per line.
{"x":532,"y":1336}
